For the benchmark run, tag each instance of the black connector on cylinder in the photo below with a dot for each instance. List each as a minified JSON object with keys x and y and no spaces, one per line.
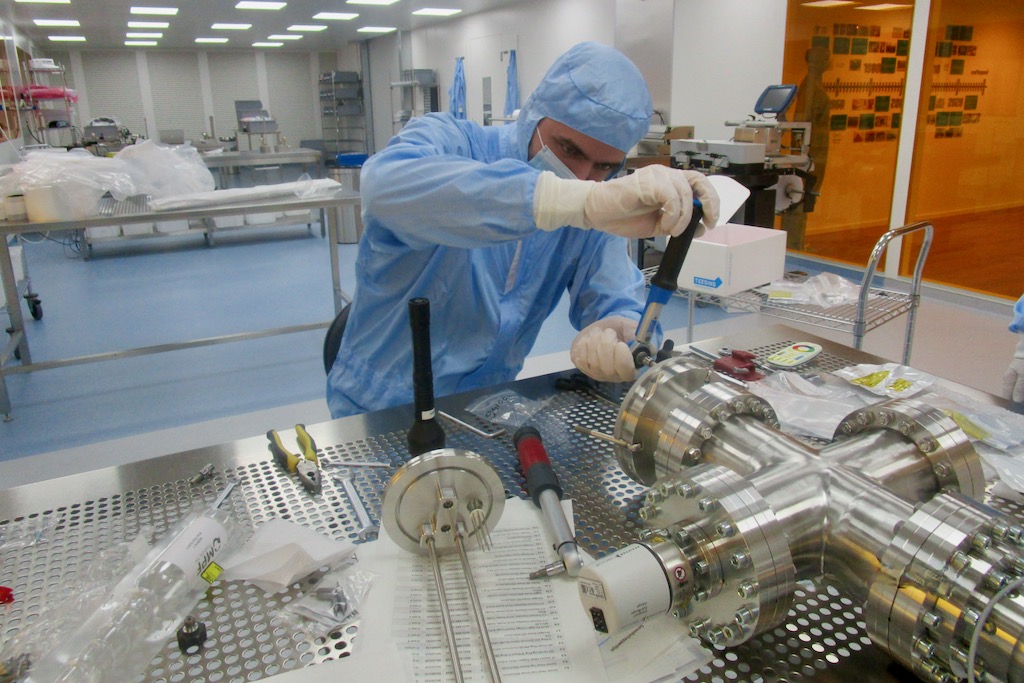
{"x":426,"y":433}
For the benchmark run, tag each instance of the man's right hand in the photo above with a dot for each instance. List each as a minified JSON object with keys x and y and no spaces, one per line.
{"x":655,"y":200}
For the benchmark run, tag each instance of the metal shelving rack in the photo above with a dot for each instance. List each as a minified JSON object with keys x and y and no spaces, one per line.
{"x":342,"y":112}
{"x":875,"y":306}
{"x":424,"y":80}
{"x":37,"y":111}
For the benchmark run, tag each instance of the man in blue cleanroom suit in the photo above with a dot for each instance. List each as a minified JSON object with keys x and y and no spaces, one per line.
{"x":472,"y":218}
{"x":1013,"y":380}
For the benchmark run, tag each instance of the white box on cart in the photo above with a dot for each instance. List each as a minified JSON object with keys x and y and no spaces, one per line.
{"x":733,"y":258}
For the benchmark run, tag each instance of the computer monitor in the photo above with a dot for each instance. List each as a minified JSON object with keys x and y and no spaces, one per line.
{"x":775,"y":100}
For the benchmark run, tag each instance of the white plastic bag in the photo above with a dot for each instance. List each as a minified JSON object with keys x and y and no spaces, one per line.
{"x":66,"y":186}
{"x":806,"y":407}
{"x":165,"y":170}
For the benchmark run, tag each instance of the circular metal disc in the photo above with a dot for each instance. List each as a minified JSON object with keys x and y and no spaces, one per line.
{"x":416,"y":493}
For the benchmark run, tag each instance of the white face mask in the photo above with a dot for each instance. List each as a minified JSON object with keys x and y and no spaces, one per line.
{"x":545,"y":160}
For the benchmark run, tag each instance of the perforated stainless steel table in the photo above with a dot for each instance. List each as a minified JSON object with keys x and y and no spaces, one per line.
{"x":66,"y":522}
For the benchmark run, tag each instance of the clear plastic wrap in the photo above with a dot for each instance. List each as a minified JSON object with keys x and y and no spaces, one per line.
{"x":304,"y":188}
{"x":813,"y":408}
{"x":114,"y":637}
{"x":889,"y":379}
{"x":333,"y":603}
{"x":166,"y":170}
{"x":66,"y":186}
{"x":825,"y":290}
{"x":505,"y":407}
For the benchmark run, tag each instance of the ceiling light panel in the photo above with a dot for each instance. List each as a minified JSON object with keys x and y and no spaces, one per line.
{"x":211,"y":40}
{"x":45,"y":2}
{"x":258,"y":4}
{"x":376,"y":29}
{"x":56,"y":22}
{"x":231,"y":27}
{"x":167,"y":11}
{"x":148,"y":24}
{"x":140,"y":43}
{"x":67,"y":39}
{"x":284,"y":36}
{"x":262,"y":44}
{"x":307,"y":28}
{"x":336,"y":16}
{"x":436,"y":12}
{"x":371,"y":2}
{"x":142,"y":34}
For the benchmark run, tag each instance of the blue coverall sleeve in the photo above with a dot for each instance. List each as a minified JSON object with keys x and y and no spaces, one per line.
{"x":606,"y":282}
{"x":1017,"y":324}
{"x":448,"y":175}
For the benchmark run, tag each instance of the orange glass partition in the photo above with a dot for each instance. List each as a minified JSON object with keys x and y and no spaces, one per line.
{"x":968,"y":171}
{"x":851,"y":66}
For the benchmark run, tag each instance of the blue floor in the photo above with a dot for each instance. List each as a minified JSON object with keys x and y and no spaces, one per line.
{"x":157,"y":291}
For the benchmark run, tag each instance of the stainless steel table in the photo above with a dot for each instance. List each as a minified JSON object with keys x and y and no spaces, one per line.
{"x":135,"y":210}
{"x":309,"y":158}
{"x":68,"y":520}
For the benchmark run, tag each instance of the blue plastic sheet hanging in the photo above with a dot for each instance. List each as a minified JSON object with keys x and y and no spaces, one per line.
{"x":457,"y":93}
{"x":512,"y":87}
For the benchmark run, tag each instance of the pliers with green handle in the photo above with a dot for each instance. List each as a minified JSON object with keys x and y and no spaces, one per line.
{"x":307,"y":467}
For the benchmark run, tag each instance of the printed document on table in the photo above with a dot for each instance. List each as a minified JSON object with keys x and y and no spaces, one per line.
{"x":538,"y":628}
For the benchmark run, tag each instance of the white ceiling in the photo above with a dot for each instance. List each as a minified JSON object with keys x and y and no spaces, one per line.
{"x":105,"y":22}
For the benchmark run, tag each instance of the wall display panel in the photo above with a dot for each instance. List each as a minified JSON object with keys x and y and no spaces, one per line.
{"x":968,"y":167}
{"x":291,"y":101}
{"x":112,"y":81}
{"x":851,"y":68}
{"x":176,"y":90}
{"x":232,"y":77}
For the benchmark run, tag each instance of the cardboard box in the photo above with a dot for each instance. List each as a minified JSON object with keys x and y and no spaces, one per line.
{"x":733,"y":258}
{"x":679,"y":133}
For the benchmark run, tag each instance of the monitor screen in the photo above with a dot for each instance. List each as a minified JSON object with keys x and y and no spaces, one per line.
{"x":775,"y":99}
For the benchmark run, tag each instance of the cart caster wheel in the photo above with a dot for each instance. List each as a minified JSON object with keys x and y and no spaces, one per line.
{"x":36,"y":307}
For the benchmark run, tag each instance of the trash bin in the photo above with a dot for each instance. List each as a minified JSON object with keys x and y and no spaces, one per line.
{"x":350,"y":220}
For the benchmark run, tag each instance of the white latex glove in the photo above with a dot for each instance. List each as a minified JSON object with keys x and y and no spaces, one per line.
{"x":600,"y":350}
{"x":1013,"y":380}
{"x":655,"y":200}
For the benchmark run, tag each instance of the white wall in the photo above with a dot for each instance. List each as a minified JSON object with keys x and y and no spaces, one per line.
{"x":539,"y":30}
{"x":724,"y":54}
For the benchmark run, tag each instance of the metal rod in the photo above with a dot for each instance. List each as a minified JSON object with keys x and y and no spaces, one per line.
{"x":632,"y":447}
{"x":446,"y":618}
{"x":479,"y":432}
{"x":160,"y":348}
{"x":478,"y":610}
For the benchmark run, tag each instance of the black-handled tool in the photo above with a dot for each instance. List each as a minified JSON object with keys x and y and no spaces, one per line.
{"x":663,"y":286}
{"x":426,"y":434}
{"x":546,"y":492}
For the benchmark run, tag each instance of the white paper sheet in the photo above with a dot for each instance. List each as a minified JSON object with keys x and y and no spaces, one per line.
{"x":538,"y":629}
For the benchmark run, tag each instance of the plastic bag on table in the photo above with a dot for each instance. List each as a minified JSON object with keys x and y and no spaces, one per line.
{"x":890,"y":379}
{"x":164,"y":170}
{"x":505,"y":407}
{"x":67,"y":185}
{"x":333,"y":602}
{"x":806,"y":407}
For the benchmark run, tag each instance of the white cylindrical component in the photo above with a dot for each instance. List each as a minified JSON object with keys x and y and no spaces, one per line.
{"x":624,"y":588}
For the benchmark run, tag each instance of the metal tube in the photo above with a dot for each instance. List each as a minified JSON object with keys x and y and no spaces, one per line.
{"x":446,"y":617}
{"x":478,"y":611}
{"x":565,"y":541}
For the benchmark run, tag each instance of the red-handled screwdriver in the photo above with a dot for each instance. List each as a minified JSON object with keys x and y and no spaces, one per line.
{"x":544,"y":489}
